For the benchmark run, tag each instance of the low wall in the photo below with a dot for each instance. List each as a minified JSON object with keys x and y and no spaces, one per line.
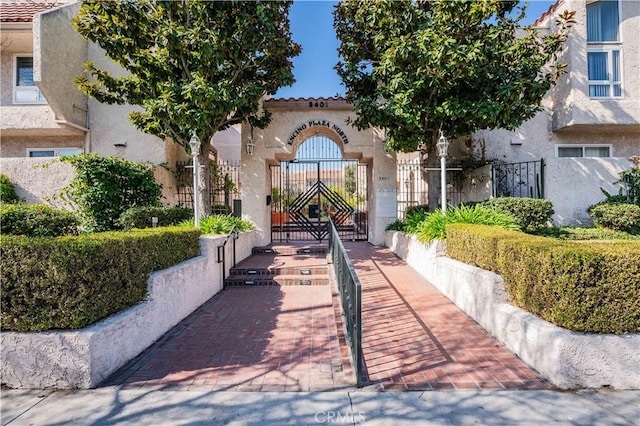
{"x":573,"y":184}
{"x":566,"y":358}
{"x":83,"y":358}
{"x":39,"y":180}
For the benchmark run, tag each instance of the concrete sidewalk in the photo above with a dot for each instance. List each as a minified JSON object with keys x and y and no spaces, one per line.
{"x":116,"y":406}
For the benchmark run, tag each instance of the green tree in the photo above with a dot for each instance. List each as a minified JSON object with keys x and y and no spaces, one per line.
{"x":417,"y":67}
{"x":191,"y":65}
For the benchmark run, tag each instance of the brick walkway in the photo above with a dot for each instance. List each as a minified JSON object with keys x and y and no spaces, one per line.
{"x":415,"y":338}
{"x":264,"y":338}
{"x":290,"y":338}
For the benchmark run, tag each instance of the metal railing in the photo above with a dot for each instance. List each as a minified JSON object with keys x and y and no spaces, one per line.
{"x":222,"y":255}
{"x":350,"y":299}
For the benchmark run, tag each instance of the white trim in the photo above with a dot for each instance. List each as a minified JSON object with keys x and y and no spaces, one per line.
{"x":56,"y":151}
{"x":608,"y":49}
{"x":15,"y":86}
{"x":583,"y":146}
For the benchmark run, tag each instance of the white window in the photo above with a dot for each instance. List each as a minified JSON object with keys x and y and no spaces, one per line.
{"x":604,"y":72}
{"x":564,"y":151}
{"x":604,"y":53}
{"x":52,"y":152}
{"x":25,"y":90}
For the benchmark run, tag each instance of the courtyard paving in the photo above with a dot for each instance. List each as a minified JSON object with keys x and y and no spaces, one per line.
{"x":290,"y":338}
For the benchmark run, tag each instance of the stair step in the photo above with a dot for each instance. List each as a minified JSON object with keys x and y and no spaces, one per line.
{"x":277,"y":280}
{"x":290,"y":250}
{"x":287,"y":270}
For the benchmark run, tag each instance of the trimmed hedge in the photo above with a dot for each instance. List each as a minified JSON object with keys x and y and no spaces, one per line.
{"x":579,"y":285}
{"x":616,"y":216}
{"x":74,"y":281}
{"x":140,"y":217}
{"x":36,"y":220}
{"x":530,"y":213}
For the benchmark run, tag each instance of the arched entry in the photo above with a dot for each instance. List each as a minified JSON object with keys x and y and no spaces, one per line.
{"x":318,"y":185}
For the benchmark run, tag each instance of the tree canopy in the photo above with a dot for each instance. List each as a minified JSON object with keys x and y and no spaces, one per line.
{"x":415,"y":67}
{"x":191,"y":65}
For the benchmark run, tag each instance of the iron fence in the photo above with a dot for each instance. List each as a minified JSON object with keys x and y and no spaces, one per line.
{"x":350,"y":299}
{"x":224,"y":179}
{"x":523,"y":179}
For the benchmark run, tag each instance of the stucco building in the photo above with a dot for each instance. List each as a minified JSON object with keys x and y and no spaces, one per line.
{"x":587,"y":130}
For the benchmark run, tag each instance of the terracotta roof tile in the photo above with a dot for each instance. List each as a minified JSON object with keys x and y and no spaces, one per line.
{"x":332,"y":98}
{"x":549,"y":11}
{"x":23,"y":12}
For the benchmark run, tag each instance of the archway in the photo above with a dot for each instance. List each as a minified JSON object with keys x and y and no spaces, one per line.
{"x":318,"y":185}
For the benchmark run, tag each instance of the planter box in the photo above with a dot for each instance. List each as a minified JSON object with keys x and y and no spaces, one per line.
{"x":568,"y":359}
{"x":83,"y":358}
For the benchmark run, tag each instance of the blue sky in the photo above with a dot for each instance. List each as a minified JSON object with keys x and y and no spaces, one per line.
{"x":312,"y":27}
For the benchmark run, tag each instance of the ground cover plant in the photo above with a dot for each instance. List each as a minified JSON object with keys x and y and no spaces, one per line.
{"x":220,"y":224}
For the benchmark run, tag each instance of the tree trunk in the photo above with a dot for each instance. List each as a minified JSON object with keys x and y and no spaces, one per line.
{"x":433,"y":178}
{"x":204,"y":183}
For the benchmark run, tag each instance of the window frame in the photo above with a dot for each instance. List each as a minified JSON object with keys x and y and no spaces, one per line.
{"x":583,"y":147}
{"x":608,"y":47}
{"x":56,"y":151}
{"x":15,"y":86}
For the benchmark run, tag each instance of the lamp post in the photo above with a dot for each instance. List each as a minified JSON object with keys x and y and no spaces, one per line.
{"x":443,"y":146}
{"x":250,"y":144}
{"x":194,"y":144}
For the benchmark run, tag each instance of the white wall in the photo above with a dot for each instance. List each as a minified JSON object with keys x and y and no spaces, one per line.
{"x":573,"y":184}
{"x":39,"y":180}
{"x":83,"y":358}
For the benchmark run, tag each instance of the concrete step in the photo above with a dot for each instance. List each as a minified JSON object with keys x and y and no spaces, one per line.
{"x":291,"y":249}
{"x":277,"y":280}
{"x":272,"y":271}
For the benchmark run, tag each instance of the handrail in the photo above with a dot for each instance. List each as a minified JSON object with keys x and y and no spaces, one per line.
{"x":350,"y":299}
{"x":221,"y":255}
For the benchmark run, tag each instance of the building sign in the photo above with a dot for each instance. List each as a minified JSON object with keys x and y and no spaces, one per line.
{"x":312,"y":123}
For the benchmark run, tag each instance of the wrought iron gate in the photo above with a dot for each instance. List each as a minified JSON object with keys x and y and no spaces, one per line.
{"x":524,"y":179}
{"x":307,"y":192}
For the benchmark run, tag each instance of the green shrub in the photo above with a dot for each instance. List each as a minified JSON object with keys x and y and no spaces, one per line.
{"x":580,"y":285}
{"x":582,"y":233}
{"x":36,"y":220}
{"x":477,"y":244}
{"x":220,"y":224}
{"x":631,"y":180}
{"x":140,"y":217}
{"x":530,"y":213}
{"x":433,"y":227}
{"x":105,"y":187}
{"x":7,"y":192}
{"x":618,"y":217}
{"x":414,"y":219}
{"x":420,"y":208}
{"x":74,"y":281}
{"x":396,"y":225}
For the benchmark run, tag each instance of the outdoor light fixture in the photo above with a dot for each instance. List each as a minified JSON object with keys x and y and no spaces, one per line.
{"x":194,"y":144}
{"x":250,"y":144}
{"x":443,"y":146}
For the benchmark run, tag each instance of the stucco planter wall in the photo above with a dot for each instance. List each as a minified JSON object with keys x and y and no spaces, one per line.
{"x":83,"y":358}
{"x":567,"y":359}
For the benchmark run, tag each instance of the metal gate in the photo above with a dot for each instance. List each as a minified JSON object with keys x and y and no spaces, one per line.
{"x":315,"y":187}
